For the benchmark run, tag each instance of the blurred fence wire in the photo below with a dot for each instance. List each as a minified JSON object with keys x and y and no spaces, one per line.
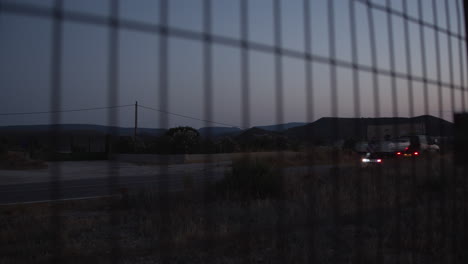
{"x":448,"y":230}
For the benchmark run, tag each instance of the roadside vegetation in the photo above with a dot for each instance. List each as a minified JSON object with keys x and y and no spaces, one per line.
{"x":412,"y":210}
{"x":10,"y":160}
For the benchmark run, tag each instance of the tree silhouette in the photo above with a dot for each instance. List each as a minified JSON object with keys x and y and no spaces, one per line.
{"x":183,"y":140}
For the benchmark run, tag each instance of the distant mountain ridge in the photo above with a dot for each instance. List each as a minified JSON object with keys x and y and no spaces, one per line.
{"x":282,"y":127}
{"x":219,"y":131}
{"x":235,"y":131}
{"x":253,"y":132}
{"x":81,"y":128}
{"x":329,"y":129}
{"x":326,"y":128}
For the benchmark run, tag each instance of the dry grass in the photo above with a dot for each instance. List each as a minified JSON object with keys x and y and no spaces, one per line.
{"x":407,"y":210}
{"x":312,"y":156}
{"x":19,"y":161}
{"x":316,"y":155}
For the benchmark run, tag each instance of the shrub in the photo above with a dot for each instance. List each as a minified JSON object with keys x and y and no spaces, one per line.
{"x":183,"y":140}
{"x":251,"y":179}
{"x":227,"y":145}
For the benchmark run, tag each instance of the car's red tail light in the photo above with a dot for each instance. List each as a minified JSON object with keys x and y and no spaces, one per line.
{"x":416,"y":153}
{"x":398,"y":153}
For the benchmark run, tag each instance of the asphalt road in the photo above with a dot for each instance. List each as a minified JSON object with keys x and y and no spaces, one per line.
{"x":99,"y":178}
{"x":78,"y":180}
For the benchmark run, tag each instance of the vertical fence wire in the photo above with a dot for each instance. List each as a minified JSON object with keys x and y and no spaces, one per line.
{"x":442,"y":226}
{"x":55,"y":105}
{"x":429,"y":170}
{"x":165,"y":248}
{"x":245,"y":63}
{"x":208,"y":115}
{"x":376,"y":101}
{"x":358,"y":253}
{"x":335,"y":171}
{"x":112,"y":120}
{"x":311,"y":216}
{"x":409,"y":66}
{"x":245,"y":112}
{"x":452,"y":234}
{"x":461,"y":59}
{"x":462,"y":11}
{"x":281,"y":245}
{"x":395,"y":111}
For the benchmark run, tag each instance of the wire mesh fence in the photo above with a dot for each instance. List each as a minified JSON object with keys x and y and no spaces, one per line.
{"x":368,"y":177}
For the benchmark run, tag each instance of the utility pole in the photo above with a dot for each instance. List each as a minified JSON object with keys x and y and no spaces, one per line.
{"x":136,"y":121}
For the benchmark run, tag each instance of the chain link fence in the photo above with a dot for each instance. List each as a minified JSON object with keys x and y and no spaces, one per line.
{"x":370,"y":71}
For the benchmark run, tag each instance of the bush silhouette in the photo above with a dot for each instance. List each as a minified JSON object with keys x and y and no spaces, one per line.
{"x":183,"y":140}
{"x":251,"y":179}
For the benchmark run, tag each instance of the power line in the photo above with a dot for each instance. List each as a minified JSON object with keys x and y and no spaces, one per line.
{"x":63,"y":111}
{"x":113,"y":107}
{"x":185,"y":116}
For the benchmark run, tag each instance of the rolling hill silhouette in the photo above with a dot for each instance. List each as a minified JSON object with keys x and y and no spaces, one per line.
{"x":326,"y":129}
{"x":330,"y":129}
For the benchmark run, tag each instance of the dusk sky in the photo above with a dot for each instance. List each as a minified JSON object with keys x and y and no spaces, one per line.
{"x":25,"y":44}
